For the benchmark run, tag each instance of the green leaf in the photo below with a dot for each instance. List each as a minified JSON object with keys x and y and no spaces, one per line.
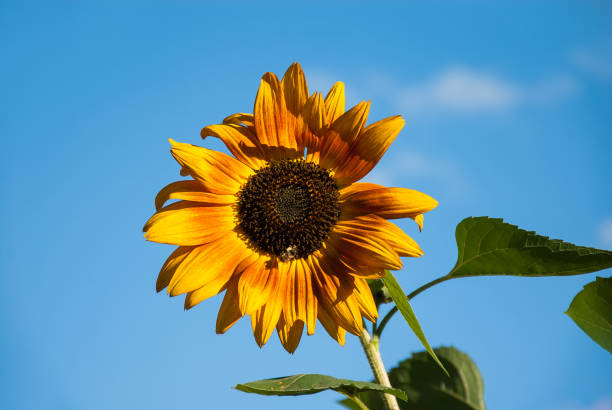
{"x":379,"y":291}
{"x":591,"y":309}
{"x":428,"y":389}
{"x":489,"y":246}
{"x":401,"y":301}
{"x":301,"y":384}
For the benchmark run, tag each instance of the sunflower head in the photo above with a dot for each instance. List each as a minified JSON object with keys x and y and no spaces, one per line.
{"x":282,"y":226}
{"x":288,"y":208}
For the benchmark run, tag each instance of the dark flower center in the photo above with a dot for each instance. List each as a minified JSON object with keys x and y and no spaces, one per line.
{"x":291,"y":203}
{"x":288,"y":208}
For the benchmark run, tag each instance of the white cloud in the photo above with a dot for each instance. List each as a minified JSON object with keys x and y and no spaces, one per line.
{"x":605,"y":232}
{"x":552,"y":90}
{"x":455,"y":89}
{"x":605,"y":404}
{"x":320,"y":80}
{"x":601,"y":404}
{"x":598,"y":64}
{"x":398,"y":166}
{"x":459,"y":89}
{"x":466,"y":91}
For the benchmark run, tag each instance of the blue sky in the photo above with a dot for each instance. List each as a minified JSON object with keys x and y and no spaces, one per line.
{"x":507,"y":108}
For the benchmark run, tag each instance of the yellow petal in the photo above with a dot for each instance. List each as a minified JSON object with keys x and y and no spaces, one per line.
{"x":342,"y":307}
{"x":304,"y":297}
{"x":228,"y":312}
{"x":265,"y":319}
{"x":211,"y":288}
{"x":204,"y":268}
{"x":334,"y":102}
{"x":389,"y":203}
{"x":368,"y":149}
{"x":335,"y":145}
{"x":419,"y":220}
{"x":363,"y":254}
{"x":331,"y":326}
{"x":194,"y":297}
{"x":290,"y":306}
{"x":350,"y":124}
{"x":241,"y":118}
{"x":295,"y":91}
{"x":271,"y":119}
{"x":218,"y":172}
{"x":189,"y":223}
{"x":374,"y":226}
{"x":313,"y":114}
{"x":190,"y":191}
{"x":289,"y":334}
{"x":311,"y":302}
{"x":254,"y":286}
{"x":364,"y":298}
{"x":295,"y":88}
{"x":170,"y":266}
{"x":240,"y":141}
{"x":357,"y":187}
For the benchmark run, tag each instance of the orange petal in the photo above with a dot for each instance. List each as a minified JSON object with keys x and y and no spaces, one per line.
{"x":290,"y":306}
{"x":419,"y":220}
{"x":374,"y":225}
{"x":368,"y":149}
{"x":357,"y":187}
{"x":189,"y":223}
{"x":265,"y":319}
{"x":240,"y":141}
{"x":218,"y":172}
{"x":305,"y":299}
{"x":196,"y":296}
{"x":365,"y":255}
{"x":350,"y":124}
{"x":267,"y":315}
{"x":364,"y":298}
{"x":337,"y":141}
{"x":241,"y":118}
{"x":313,"y":114}
{"x":331,"y":326}
{"x":289,"y":334}
{"x":254,"y":286}
{"x":325,"y":261}
{"x":334,"y":103}
{"x":345,"y":311}
{"x":209,"y":266}
{"x":169,"y":268}
{"x":228,"y":312}
{"x":271,"y":120}
{"x":389,"y":203}
{"x":295,"y":89}
{"x":191,"y":191}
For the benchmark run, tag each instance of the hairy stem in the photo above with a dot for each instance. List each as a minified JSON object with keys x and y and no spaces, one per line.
{"x":370,"y":347}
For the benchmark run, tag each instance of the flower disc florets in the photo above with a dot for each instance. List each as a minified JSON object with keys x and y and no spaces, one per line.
{"x":288,"y":208}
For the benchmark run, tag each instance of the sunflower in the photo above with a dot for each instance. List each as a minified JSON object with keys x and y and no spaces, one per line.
{"x":283,"y":226}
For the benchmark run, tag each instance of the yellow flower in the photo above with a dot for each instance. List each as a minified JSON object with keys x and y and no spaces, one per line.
{"x":282,"y":226}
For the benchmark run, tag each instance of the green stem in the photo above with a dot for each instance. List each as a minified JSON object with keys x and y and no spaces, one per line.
{"x":389,"y":315}
{"x":370,"y":347}
{"x":357,"y":401}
